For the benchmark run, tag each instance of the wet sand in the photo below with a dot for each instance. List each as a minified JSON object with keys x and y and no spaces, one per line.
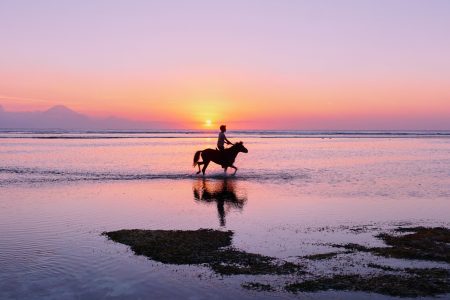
{"x":52,"y":237}
{"x":319,"y":204}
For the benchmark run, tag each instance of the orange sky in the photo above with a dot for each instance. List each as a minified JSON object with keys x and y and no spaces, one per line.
{"x":271,"y":66}
{"x":241,"y":100}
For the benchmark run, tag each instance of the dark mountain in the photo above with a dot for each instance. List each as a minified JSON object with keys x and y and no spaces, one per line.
{"x":62,"y":117}
{"x":61,"y":111}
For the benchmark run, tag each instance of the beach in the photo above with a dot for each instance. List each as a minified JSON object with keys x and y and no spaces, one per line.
{"x":295,"y":194}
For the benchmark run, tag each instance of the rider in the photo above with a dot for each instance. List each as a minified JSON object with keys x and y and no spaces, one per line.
{"x":222,"y":138}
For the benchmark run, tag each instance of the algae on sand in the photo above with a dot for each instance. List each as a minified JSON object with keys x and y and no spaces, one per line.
{"x":213,"y":248}
{"x":203,"y":246}
{"x":323,"y":256}
{"x":256,"y":286}
{"x":419,"y":243}
{"x":174,"y":246}
{"x":419,"y":282}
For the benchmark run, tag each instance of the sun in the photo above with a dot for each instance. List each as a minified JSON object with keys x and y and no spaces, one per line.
{"x":208,"y":123}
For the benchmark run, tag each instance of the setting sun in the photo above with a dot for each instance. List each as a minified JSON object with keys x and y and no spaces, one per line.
{"x":208,"y":123}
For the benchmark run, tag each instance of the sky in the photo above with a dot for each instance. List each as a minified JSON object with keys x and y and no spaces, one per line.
{"x":250,"y":64}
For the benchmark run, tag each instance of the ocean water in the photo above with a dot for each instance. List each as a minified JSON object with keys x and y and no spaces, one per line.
{"x":293,"y":195}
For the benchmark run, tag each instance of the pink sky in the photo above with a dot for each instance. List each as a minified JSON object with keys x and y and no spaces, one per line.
{"x":249,"y":64}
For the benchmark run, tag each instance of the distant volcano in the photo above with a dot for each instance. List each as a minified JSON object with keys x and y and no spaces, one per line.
{"x":62,"y":117}
{"x":60,"y":110}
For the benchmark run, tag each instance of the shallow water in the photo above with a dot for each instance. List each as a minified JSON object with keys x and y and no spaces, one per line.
{"x":290,"y":197}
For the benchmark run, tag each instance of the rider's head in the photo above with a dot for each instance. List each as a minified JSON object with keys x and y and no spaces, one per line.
{"x":223,"y":128}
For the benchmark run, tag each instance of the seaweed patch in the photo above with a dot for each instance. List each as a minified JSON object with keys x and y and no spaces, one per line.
{"x":419,"y":243}
{"x":203,"y":246}
{"x":213,"y":248}
{"x":417,"y":283}
{"x":256,"y":286}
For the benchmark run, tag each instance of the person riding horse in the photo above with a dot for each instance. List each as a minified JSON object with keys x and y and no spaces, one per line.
{"x":221,"y":156}
{"x":222,"y":138}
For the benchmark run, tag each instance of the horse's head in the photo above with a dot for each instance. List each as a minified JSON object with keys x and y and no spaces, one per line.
{"x":240,"y":147}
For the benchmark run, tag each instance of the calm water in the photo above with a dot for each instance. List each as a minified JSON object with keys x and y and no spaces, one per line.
{"x":294,"y":193}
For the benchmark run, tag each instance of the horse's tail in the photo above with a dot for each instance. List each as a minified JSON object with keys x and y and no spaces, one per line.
{"x":196,"y":157}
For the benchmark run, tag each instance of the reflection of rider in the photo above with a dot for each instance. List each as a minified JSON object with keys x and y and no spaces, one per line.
{"x":222,"y":138}
{"x":222,"y":192}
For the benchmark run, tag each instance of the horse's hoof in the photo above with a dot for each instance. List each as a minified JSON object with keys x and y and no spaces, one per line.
{"x":198,"y":172}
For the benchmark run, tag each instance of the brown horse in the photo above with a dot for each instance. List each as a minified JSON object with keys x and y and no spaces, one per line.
{"x":224,"y":158}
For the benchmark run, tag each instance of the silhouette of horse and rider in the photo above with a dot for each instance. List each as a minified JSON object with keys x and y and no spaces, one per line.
{"x":221,"y":156}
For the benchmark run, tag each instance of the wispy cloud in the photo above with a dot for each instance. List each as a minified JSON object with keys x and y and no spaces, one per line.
{"x":13,"y":98}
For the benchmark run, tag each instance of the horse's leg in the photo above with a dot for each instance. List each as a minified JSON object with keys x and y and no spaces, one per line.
{"x":205,"y":165}
{"x":225,"y":169}
{"x":198,"y":164}
{"x":235,"y":169}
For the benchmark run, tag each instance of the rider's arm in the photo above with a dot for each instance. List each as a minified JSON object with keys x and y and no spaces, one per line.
{"x":228,"y":142}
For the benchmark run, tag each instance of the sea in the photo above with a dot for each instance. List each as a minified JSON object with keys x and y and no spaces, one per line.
{"x":295,"y":193}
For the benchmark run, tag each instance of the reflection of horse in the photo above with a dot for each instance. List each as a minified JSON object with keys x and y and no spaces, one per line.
{"x":224,"y":158}
{"x":222,"y":192}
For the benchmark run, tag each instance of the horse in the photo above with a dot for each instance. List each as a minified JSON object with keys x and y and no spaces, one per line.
{"x":224,"y":158}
